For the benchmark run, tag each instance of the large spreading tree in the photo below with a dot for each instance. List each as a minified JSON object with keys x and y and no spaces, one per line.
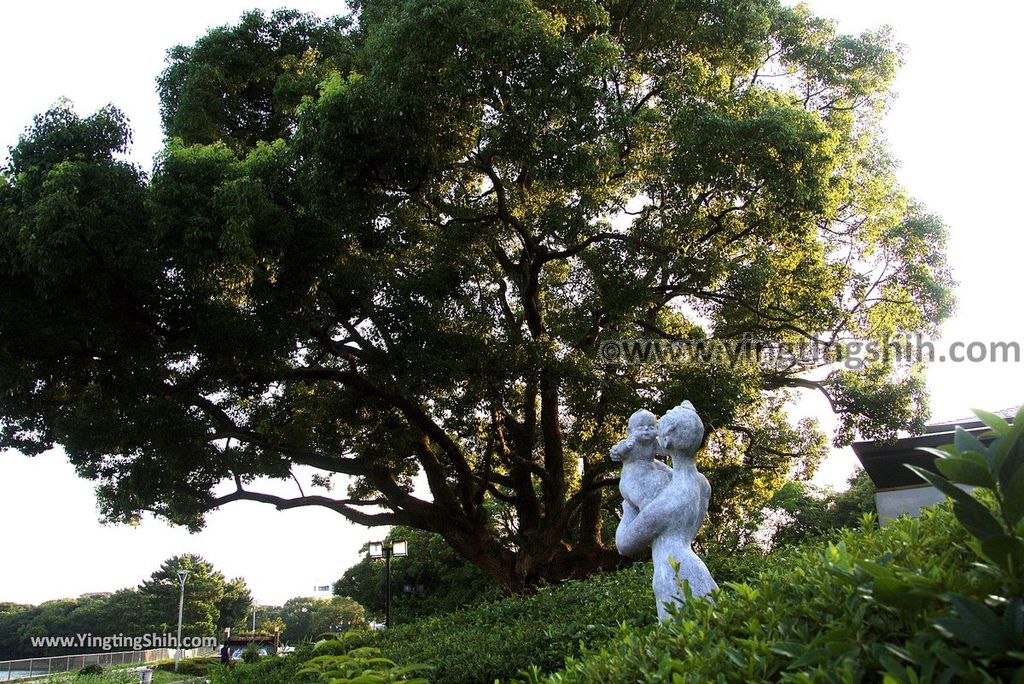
{"x":394,"y":245}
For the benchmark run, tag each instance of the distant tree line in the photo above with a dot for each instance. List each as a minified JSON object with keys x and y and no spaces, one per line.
{"x":305,"y":618}
{"x":212,"y":603}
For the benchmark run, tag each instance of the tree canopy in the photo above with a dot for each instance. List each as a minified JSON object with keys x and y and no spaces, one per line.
{"x":431,"y":580}
{"x":308,"y":618}
{"x":393,"y":244}
{"x":213,"y":603}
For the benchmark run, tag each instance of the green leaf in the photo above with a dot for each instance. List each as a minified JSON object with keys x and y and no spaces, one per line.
{"x":978,"y":520}
{"x":893,"y":592}
{"x":997,"y":424}
{"x":976,"y":625}
{"x":949,"y":451}
{"x":941,"y":483}
{"x":811,"y":656}
{"x":900,"y":653}
{"x":1013,"y":498}
{"x":1013,"y":462}
{"x":965,"y":441}
{"x":789,"y":649}
{"x":981,"y":458}
{"x":368,"y":678}
{"x":1005,"y":551}
{"x":938,"y":453}
{"x":964,"y":471}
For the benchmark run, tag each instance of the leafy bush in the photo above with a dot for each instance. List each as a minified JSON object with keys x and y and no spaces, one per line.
{"x":359,"y":666}
{"x":251,"y":654}
{"x":498,"y":639}
{"x":109,"y":677}
{"x":91,"y":669}
{"x":191,"y":667}
{"x":312,"y":666}
{"x":937,"y":598}
{"x":271,"y":670}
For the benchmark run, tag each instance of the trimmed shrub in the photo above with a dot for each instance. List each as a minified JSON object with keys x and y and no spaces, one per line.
{"x":309,"y":666}
{"x":191,"y":667}
{"x":271,"y":670}
{"x":499,"y":639}
{"x":110,"y":676}
{"x":359,"y":666}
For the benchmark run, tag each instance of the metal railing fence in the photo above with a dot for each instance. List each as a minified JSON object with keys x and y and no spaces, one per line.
{"x":23,"y":668}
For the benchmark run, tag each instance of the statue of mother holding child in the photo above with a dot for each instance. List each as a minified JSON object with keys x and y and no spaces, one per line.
{"x":663,"y":507}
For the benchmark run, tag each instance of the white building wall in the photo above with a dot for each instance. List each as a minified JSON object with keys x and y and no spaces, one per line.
{"x":893,"y":503}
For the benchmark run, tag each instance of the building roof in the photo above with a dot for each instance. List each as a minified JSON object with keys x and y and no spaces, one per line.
{"x":886,"y":461}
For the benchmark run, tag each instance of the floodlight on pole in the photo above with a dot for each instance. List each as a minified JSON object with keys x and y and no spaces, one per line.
{"x":386,"y":550}
{"x":182,"y":576}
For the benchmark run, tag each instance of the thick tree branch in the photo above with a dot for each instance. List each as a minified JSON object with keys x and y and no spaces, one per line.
{"x":778,"y":382}
{"x":342,"y":506}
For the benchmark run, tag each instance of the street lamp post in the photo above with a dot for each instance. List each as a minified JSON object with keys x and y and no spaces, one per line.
{"x":386,"y":550}
{"x":182,"y":574}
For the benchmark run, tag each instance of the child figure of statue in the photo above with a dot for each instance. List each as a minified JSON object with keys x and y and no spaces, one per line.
{"x":643,"y":475}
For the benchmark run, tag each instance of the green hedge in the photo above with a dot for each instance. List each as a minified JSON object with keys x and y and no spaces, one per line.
{"x":800,"y":614}
{"x":499,"y":639}
{"x":192,"y":667}
{"x":269,"y":670}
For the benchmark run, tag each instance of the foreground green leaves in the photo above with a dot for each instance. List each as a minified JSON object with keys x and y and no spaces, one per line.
{"x":856,"y":609}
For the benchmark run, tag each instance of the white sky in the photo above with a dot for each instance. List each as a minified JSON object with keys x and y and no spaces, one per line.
{"x":955,"y":127}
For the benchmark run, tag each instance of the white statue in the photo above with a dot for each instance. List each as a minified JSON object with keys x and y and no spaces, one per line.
{"x":668,"y":520}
